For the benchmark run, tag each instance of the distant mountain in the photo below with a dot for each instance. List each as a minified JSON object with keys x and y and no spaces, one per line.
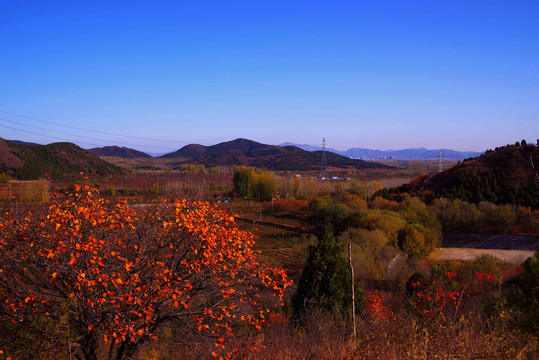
{"x":412,"y":154}
{"x":404,"y":154}
{"x":250,"y":153}
{"x":121,"y":152}
{"x":308,"y":147}
{"x":187,"y":151}
{"x":24,"y":161}
{"x":240,"y":145}
{"x":506,"y":175}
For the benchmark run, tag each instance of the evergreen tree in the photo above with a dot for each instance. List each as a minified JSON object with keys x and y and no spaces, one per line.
{"x":325,"y":281}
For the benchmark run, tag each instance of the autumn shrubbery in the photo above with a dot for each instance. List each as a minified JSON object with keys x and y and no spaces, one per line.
{"x":92,"y":279}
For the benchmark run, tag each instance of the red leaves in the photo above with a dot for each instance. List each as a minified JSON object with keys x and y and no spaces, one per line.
{"x":141,"y":264}
{"x":481,"y":276}
{"x":376,"y":306}
{"x":434,"y":298}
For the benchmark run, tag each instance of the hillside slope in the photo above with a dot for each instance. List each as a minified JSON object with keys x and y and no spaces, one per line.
{"x":23,"y":161}
{"x":250,"y":153}
{"x":507,"y":175}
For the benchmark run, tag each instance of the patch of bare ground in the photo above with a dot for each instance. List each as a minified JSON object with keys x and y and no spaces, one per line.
{"x":509,"y":256}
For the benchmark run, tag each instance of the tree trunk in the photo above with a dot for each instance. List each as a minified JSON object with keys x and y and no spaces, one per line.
{"x":86,"y":350}
{"x":126,"y":350}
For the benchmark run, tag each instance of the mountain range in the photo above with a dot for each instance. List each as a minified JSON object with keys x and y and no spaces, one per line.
{"x":404,"y":154}
{"x":192,"y":150}
{"x":246,"y":152}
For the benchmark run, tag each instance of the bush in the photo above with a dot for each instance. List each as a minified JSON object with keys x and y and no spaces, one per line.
{"x":523,"y":296}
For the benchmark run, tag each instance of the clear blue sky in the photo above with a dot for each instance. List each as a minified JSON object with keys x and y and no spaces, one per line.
{"x":376,"y":74}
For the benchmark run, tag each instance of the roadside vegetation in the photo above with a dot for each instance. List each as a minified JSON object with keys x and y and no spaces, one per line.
{"x":255,"y":264}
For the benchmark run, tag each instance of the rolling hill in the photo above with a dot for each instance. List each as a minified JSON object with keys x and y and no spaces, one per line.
{"x":250,"y":153}
{"x":23,"y":161}
{"x":506,"y":175}
{"x":121,"y":152}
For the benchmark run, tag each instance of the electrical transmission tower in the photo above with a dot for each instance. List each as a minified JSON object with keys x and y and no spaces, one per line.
{"x":440,"y":166}
{"x":324,"y":163}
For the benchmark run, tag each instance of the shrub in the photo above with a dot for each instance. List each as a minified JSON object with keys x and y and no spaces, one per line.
{"x":523,"y":295}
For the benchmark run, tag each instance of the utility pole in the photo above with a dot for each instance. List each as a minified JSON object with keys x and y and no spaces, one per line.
{"x":324,"y":163}
{"x":353,"y":294}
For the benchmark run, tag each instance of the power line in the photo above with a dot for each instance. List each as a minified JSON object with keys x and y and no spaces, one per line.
{"x":105,"y":133}
{"x":70,"y":134}
{"x":48,"y":136}
{"x":94,"y":131}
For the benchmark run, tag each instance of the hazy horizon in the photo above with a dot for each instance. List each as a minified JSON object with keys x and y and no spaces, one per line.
{"x":157,"y":76}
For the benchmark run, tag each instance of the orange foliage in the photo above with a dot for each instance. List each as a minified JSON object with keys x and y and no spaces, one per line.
{"x":123,"y":271}
{"x":290,"y":206}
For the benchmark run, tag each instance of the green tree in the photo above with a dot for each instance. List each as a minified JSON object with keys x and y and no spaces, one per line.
{"x":411,"y":240}
{"x":325,"y":214}
{"x":243,"y":178}
{"x":325,"y":281}
{"x":523,"y":297}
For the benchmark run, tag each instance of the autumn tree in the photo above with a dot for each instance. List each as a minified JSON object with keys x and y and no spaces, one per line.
{"x":264,"y":186}
{"x":116,"y":274}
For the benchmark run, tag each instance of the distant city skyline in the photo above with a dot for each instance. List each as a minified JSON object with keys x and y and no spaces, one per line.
{"x":384,"y":75}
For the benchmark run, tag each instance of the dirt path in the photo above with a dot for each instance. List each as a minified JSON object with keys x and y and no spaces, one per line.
{"x":510,"y":256}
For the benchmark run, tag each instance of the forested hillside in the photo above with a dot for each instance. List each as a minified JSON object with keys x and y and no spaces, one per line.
{"x":505,"y":175}
{"x":23,"y":161}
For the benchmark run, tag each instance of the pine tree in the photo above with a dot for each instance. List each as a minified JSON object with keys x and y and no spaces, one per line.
{"x":325,"y":281}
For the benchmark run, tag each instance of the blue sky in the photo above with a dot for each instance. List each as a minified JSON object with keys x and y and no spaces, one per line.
{"x":376,"y":74}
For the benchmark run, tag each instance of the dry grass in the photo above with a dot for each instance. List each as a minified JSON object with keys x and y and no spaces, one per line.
{"x":400,"y":338}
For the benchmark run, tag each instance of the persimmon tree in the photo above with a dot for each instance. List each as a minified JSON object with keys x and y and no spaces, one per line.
{"x":120,"y":272}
